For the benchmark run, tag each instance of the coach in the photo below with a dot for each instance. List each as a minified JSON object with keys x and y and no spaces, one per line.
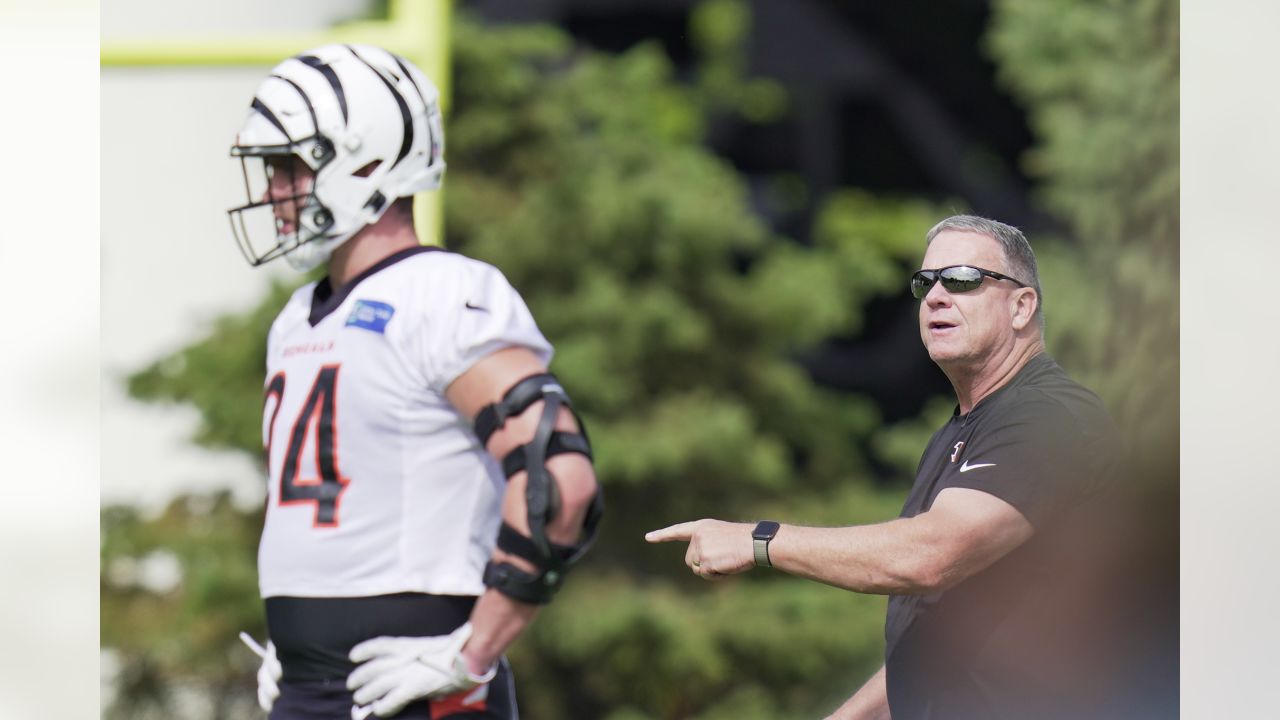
{"x":990,"y":612}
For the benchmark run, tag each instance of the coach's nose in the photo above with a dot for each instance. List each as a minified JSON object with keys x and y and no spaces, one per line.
{"x":938,"y":297}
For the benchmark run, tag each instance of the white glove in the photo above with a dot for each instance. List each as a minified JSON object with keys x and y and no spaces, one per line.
{"x":269,"y":673}
{"x":395,"y":671}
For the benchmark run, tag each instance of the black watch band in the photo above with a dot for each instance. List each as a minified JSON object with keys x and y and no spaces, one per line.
{"x":760,"y":537}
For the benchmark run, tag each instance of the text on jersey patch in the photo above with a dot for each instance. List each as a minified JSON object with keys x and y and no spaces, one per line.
{"x":370,"y":315}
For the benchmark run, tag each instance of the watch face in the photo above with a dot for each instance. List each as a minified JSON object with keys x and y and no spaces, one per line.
{"x":765,"y":530}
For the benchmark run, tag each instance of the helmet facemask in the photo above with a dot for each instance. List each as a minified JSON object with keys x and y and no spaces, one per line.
{"x":367,"y":126}
{"x":273,"y":222}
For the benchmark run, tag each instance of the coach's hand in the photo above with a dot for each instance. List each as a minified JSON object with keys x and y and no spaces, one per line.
{"x":716,"y":548}
{"x":269,"y":673}
{"x":395,"y":671}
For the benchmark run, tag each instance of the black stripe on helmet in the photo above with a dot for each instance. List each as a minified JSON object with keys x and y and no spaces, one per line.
{"x":407,"y":140}
{"x":426,"y":105}
{"x":314,"y":123}
{"x":265,"y":111}
{"x":414,"y":83}
{"x":316,"y":63}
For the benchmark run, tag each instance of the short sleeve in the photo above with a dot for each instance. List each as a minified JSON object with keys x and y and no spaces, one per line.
{"x":1031,"y":455}
{"x":489,"y":315}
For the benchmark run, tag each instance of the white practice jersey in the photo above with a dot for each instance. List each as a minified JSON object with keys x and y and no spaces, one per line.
{"x":376,"y":483}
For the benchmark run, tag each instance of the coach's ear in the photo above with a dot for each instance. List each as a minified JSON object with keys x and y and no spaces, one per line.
{"x":1025,"y":301}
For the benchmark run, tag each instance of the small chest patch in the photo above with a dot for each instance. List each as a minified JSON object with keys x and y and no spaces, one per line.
{"x":370,"y":315}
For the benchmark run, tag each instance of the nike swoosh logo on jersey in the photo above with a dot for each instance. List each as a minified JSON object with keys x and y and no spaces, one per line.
{"x":469,"y":306}
{"x":966,"y":467}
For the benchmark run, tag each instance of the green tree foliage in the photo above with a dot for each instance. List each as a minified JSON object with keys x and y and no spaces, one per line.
{"x":628,"y":239}
{"x":1100,"y":80}
{"x":212,"y":374}
{"x":675,"y":313}
{"x":175,"y":590}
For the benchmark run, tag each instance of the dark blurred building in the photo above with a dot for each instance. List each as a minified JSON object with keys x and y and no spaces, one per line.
{"x":895,"y":98}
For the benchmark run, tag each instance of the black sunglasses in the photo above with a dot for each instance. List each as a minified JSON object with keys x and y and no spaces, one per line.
{"x":955,"y":279}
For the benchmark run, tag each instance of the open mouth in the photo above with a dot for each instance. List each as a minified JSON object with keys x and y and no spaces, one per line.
{"x":940,"y":325}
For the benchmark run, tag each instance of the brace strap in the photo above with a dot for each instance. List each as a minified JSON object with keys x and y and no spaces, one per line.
{"x":516,"y":400}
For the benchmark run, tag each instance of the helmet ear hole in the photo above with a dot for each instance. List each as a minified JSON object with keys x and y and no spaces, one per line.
{"x":367,"y":169}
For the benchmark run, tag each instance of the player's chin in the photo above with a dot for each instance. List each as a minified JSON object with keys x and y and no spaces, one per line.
{"x":941,"y":351}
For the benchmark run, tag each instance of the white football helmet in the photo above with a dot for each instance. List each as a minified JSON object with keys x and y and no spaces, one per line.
{"x":364,"y":121}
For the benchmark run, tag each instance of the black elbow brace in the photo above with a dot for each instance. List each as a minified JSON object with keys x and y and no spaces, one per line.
{"x":536,"y":588}
{"x":542,"y":497}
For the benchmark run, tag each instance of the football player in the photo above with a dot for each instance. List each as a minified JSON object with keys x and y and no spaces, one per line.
{"x":429,"y":484}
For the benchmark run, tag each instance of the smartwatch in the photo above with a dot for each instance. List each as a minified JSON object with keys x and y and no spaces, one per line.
{"x":760,"y":538}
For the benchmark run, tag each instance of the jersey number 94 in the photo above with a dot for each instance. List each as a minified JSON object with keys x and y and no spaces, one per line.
{"x":316,"y":417}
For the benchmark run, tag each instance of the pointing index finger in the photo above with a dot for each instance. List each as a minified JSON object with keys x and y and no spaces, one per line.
{"x":679,"y":531}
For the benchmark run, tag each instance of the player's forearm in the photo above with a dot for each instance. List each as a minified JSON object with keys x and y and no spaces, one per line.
{"x":896,"y":557}
{"x":871,"y":702}
{"x":496,"y":622}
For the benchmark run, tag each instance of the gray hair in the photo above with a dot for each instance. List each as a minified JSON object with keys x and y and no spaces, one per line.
{"x":1020,"y":261}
